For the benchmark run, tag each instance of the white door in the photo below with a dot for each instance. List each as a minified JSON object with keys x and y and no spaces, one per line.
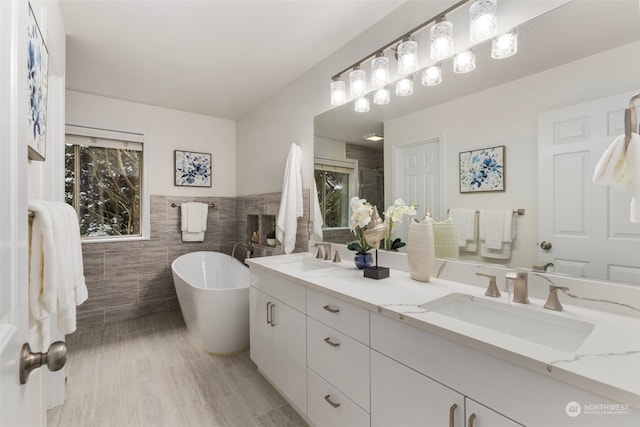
{"x":587,"y":225}
{"x":14,"y":409}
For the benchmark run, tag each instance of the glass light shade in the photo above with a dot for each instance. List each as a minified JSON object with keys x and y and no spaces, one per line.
{"x":432,"y":76}
{"x":381,"y":96}
{"x":464,"y":62}
{"x":441,"y":40}
{"x":380,"y":71}
{"x":357,"y":83}
{"x":404,"y":87}
{"x":361,"y":105}
{"x":338,"y":92}
{"x":505,"y":45}
{"x":407,"y":57}
{"x":483,"y":21}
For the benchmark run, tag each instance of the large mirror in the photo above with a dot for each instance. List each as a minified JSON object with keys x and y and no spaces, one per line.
{"x":580,"y":57}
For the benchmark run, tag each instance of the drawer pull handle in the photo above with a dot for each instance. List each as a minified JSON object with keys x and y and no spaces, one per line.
{"x":331,"y":402}
{"x":452,"y":413}
{"x":472,"y":418}
{"x":331,"y":309}
{"x":273,"y":323}
{"x":331,"y":343}
{"x":268,"y":312}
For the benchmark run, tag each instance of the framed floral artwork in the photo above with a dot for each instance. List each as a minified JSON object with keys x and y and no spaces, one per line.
{"x":192,"y":169}
{"x":38,"y":69}
{"x":482,"y":170}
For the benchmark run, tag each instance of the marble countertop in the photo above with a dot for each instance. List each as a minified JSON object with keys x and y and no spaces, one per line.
{"x":606,"y":363}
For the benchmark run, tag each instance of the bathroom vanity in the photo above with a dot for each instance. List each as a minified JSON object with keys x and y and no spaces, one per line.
{"x":345,"y":350}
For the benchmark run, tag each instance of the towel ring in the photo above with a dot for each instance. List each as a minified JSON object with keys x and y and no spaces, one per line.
{"x":630,"y":120}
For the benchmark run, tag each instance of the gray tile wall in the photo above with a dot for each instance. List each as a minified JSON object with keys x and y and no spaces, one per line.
{"x":127,"y":280}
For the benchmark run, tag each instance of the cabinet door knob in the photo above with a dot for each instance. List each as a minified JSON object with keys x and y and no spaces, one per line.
{"x":472,"y":418}
{"x":331,"y":309}
{"x":331,"y":402}
{"x":331,"y":343}
{"x":452,"y":413}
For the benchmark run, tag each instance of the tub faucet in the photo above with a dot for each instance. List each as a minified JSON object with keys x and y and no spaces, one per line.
{"x":520,"y":289}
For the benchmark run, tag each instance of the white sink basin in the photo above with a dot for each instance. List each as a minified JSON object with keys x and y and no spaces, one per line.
{"x":302,"y":265}
{"x":539,"y":327}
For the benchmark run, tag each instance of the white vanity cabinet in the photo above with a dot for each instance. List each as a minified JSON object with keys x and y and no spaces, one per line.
{"x":478,"y":415}
{"x":278,"y":335}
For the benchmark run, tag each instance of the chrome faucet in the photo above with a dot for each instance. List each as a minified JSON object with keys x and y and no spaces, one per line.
{"x":553,"y":303}
{"x":327,"y":251}
{"x":520,"y":289}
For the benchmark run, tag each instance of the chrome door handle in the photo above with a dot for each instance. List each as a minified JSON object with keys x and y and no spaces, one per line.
{"x":331,"y":309}
{"x":331,"y":402}
{"x":452,"y":413}
{"x":472,"y":418}
{"x":331,"y":343}
{"x":54,"y":358}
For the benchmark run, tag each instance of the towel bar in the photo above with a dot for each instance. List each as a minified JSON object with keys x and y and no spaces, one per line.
{"x":519,"y":212}
{"x":175,"y":205}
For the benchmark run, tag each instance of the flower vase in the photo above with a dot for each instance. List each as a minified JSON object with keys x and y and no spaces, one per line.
{"x":363,"y":260}
{"x":420,"y":249}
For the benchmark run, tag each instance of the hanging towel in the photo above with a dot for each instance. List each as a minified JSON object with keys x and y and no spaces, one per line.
{"x":621,"y":168}
{"x":318,"y":221}
{"x":193,"y":221}
{"x":467,"y":228}
{"x":497,"y":229}
{"x":290,"y":201}
{"x":56,"y":273}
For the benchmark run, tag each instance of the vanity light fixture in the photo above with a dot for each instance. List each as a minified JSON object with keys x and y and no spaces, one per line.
{"x":381,"y":96}
{"x":441,"y":40}
{"x":407,"y":57}
{"x":464,"y":62}
{"x":432,"y":76}
{"x":373,"y":137}
{"x":404,"y":86}
{"x":361,"y":105}
{"x":357,"y":82}
{"x":505,"y":45}
{"x":380,"y":75}
{"x":483,"y":22}
{"x":338,"y":92}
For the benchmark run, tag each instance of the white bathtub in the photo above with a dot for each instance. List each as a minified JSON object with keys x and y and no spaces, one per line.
{"x":213,"y":292}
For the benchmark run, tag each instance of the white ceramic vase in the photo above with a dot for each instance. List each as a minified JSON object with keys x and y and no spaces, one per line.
{"x":420,"y":249}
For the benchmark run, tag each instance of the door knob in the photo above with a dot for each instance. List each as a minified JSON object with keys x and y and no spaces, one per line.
{"x":545,"y":245}
{"x":54,"y":358}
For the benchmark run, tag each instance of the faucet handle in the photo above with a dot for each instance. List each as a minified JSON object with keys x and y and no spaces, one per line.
{"x":553,"y":302}
{"x":492,"y":290}
{"x":336,"y":257}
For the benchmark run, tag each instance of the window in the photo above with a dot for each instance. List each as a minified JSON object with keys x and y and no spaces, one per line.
{"x":104,"y":182}
{"x":336,"y":182}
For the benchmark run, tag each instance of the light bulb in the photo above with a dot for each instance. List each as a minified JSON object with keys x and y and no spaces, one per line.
{"x":381,"y":96}
{"x":432,"y":76}
{"x":441,"y":40}
{"x":338,"y":92}
{"x":483,"y":21}
{"x":361,"y":105}
{"x":357,"y":82}
{"x":380,"y":71}
{"x":407,"y":57}
{"x":464,"y":62}
{"x":404,"y":87}
{"x":505,"y":45}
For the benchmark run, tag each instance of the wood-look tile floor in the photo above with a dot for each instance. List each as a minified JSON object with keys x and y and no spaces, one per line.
{"x":149,"y":372}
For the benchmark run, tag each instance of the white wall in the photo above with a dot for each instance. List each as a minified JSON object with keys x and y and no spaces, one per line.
{"x":168,"y":130}
{"x":507,"y":115}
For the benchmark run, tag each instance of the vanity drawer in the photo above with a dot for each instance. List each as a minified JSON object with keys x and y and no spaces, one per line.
{"x":327,"y":407}
{"x":339,"y":359}
{"x":343,"y":316}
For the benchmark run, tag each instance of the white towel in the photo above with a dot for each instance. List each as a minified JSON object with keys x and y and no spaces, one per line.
{"x":318,"y":221}
{"x":193,"y":221}
{"x":291,"y":201}
{"x":494,"y":223}
{"x":466,"y":227}
{"x":621,"y":168}
{"x":56,"y":274}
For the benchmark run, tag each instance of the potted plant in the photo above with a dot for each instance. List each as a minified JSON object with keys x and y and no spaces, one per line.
{"x":271,"y":238}
{"x":361,"y":212}
{"x":393,"y":215}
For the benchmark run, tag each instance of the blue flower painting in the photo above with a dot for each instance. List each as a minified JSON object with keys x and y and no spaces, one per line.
{"x":193,"y":169}
{"x":37,"y":64}
{"x":482,"y":170}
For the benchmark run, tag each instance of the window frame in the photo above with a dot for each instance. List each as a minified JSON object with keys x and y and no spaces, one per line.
{"x":123,"y":134}
{"x":347,"y":166}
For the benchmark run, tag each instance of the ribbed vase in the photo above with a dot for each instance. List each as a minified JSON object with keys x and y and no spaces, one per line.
{"x":420,"y":249}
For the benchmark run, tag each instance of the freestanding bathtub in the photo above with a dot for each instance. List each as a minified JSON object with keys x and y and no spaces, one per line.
{"x":213,"y":292}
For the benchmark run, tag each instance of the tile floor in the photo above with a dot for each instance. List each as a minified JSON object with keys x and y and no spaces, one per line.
{"x":149,"y":372}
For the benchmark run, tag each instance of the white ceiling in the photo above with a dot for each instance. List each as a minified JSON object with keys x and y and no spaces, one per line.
{"x":213,"y":57}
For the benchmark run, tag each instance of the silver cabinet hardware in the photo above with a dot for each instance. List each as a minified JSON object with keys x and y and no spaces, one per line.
{"x":268,"y":312}
{"x":472,"y":418}
{"x":331,"y":402}
{"x":331,"y":309}
{"x":331,"y":343}
{"x":273,"y":306}
{"x":452,"y":413}
{"x":54,"y":358}
{"x":546,"y":245}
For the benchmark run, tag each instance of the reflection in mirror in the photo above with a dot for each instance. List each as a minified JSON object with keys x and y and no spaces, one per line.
{"x":562,"y":64}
